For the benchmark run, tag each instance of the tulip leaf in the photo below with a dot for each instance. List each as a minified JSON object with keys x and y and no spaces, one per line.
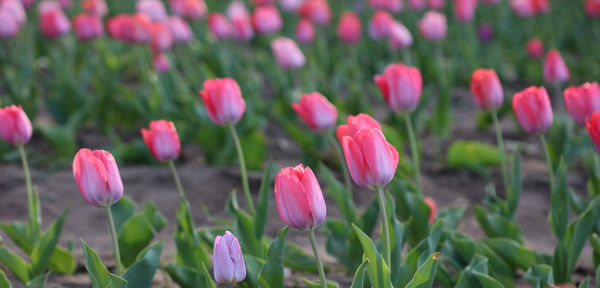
{"x":99,"y":275}
{"x":138,"y":231}
{"x":122,"y":210}
{"x":187,"y":277}
{"x":513,"y":193}
{"x":476,"y":275}
{"x":45,"y":246}
{"x":254,"y":144}
{"x":253,"y":267}
{"x":61,"y":138}
{"x":190,"y":252}
{"x":317,"y":284}
{"x":497,"y":225}
{"x":244,"y":228}
{"x":595,"y":242}
{"x":298,"y":260}
{"x":425,"y":275}
{"x":340,"y":194}
{"x":141,"y":273}
{"x":38,"y":282}
{"x":410,"y":205}
{"x":359,"y":276}
{"x":377,"y":270}
{"x":473,"y":155}
{"x":540,"y":276}
{"x":453,"y":216}
{"x":271,"y":274}
{"x":4,"y":281}
{"x":515,"y":254}
{"x":559,"y":213}
{"x":262,"y":209}
{"x":14,"y":263}
{"x":585,"y":283}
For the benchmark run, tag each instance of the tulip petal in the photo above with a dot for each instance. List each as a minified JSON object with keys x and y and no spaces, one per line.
{"x":375,"y":152}
{"x":318,"y":209}
{"x":292,"y":200}
{"x":91,"y":176}
{"x":356,"y":163}
{"x":222,"y":263}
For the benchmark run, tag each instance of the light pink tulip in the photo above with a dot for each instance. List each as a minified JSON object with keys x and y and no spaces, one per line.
{"x":401,"y":87}
{"x":555,"y":68}
{"x":15,"y":127}
{"x":9,"y":27}
{"x":287,"y":53}
{"x":154,"y":9}
{"x":266,"y":20}
{"x":399,"y":36}
{"x":228,"y":260}
{"x":189,"y":9}
{"x":180,"y":30}
{"x":98,"y":177}
{"x":433,"y":26}
{"x":223,"y":101}
{"x":316,"y":111}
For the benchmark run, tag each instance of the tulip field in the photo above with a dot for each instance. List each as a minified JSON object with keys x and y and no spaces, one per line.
{"x":300,"y":143}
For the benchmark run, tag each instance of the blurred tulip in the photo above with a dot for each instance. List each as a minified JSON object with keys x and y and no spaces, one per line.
{"x":266,"y":20}
{"x":263,"y":2}
{"x":316,"y":111}
{"x":15,"y":10}
{"x":54,"y":23}
{"x":160,"y":36}
{"x":9,"y":27}
{"x":161,"y":62}
{"x":417,"y":4}
{"x":401,"y":87}
{"x":130,"y":28}
{"x":299,"y":199}
{"x":432,"y":208}
{"x":535,"y":48}
{"x":65,"y":4}
{"x":528,"y":8}
{"x":592,"y":8}
{"x":533,"y":110}
{"x":437,"y":4}
{"x":541,"y":6}
{"x":95,"y":7}
{"x":317,"y":11}
{"x":433,"y":26}
{"x":180,"y":30}
{"x":592,"y":123}
{"x":290,"y":5}
{"x":582,"y":101}
{"x":154,"y":9}
{"x":355,"y":124}
{"x":228,"y":260}
{"x":242,"y":29}
{"x":219,"y":26}
{"x":392,"y":6}
{"x":464,"y":10}
{"x":223,"y":101}
{"x":555,"y":68}
{"x":48,"y":5}
{"x":486,"y":89}
{"x":305,"y":31}
{"x":372,"y":161}
{"x":15,"y":127}
{"x":27,"y":3}
{"x":400,"y":37}
{"x":380,"y":25}
{"x":349,"y":28}
{"x":87,"y":26}
{"x":237,"y":9}
{"x":485,"y":32}
{"x":98,"y":177}
{"x":287,"y":53}
{"x":189,"y":9}
{"x":162,"y":140}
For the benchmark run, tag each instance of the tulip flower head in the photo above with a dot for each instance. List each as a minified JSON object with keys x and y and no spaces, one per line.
{"x":399,"y":37}
{"x":533,"y":110}
{"x":162,"y":140}
{"x":15,"y":10}
{"x":266,"y":20}
{"x":15,"y":127}
{"x":189,"y":9}
{"x":219,"y":26}
{"x":555,"y":68}
{"x":592,"y":123}
{"x":355,"y":124}
{"x":433,"y":26}
{"x":349,"y":28}
{"x":180,"y":30}
{"x":437,"y":4}
{"x":160,"y":36}
{"x":464,"y":10}
{"x":290,"y":5}
{"x":592,"y":8}
{"x":316,"y":111}
{"x":392,"y":6}
{"x":98,"y":177}
{"x":432,"y":208}
{"x":417,"y":5}
{"x":228,"y":260}
{"x":582,"y":101}
{"x":242,"y":29}
{"x":305,"y":31}
{"x":401,"y":87}
{"x":130,"y":28}
{"x":535,"y":48}
{"x":223,"y":101}
{"x":87,"y":26}
{"x":9,"y":27}
{"x":299,"y":199}
{"x":317,"y":11}
{"x":287,"y":53}
{"x":54,"y":23}
{"x":485,"y":32}
{"x":154,"y":9}
{"x":486,"y":89}
{"x":95,"y":7}
{"x":380,"y":25}
{"x":161,"y":62}
{"x":237,"y":9}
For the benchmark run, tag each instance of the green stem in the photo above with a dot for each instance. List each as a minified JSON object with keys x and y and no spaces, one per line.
{"x":548,"y":160}
{"x":113,"y":235}
{"x":243,"y":170}
{"x":386,"y":230}
{"x":415,"y":152}
{"x":313,"y":242}
{"x":340,"y":154}
{"x":501,"y":147}
{"x":180,"y":189}
{"x":34,"y":222}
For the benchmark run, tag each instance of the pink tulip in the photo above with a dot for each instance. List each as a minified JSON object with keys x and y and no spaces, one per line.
{"x":48,"y":5}
{"x":317,"y":11}
{"x":528,"y":8}
{"x":54,"y":23}
{"x":582,"y":101}
{"x":349,"y":28}
{"x":160,"y":37}
{"x":219,"y":26}
{"x":437,"y":4}
{"x":535,"y":48}
{"x":87,"y":26}
{"x":14,"y":10}
{"x":417,"y":5}
{"x":533,"y":110}
{"x":237,"y":9}
{"x":154,"y":9}
{"x":555,"y":68}
{"x":287,"y":53}
{"x":162,"y":140}
{"x":223,"y":101}
{"x":372,"y":161}
{"x":161,"y":62}
{"x":15,"y":127}
{"x":96,"y":7}
{"x":392,"y":6}
{"x":592,"y":123}
{"x":266,"y":20}
{"x":316,"y":111}
{"x":401,"y":87}
{"x":592,"y":8}
{"x":432,"y":208}
{"x":299,"y":199}
{"x":27,"y":3}
{"x":433,"y":26}
{"x":189,"y":9}
{"x":380,"y":25}
{"x":399,"y":36}
{"x":130,"y":28}
{"x":486,"y":89}
{"x":263,"y":2}
{"x":290,"y":5}
{"x":305,"y":31}
{"x":9,"y":27}
{"x":228,"y":260}
{"x":242,"y":29}
{"x":98,"y":177}
{"x":355,"y":124}
{"x":464,"y":10}
{"x":180,"y":30}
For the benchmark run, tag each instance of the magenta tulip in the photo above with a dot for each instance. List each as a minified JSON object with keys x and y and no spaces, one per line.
{"x":161,"y":62}
{"x":401,"y":87}
{"x":305,"y":31}
{"x":316,"y":111}
{"x":98,"y":177}
{"x":266,"y":20}
{"x":223,"y":101}
{"x":228,"y":260}
{"x":533,"y":110}
{"x":54,"y":23}
{"x":317,"y":11}
{"x":349,"y":28}
{"x":162,"y":140}
{"x":95,"y":7}
{"x":582,"y":101}
{"x":15,"y":127}
{"x":219,"y":26}
{"x":486,"y":89}
{"x":87,"y":26}
{"x":380,"y":25}
{"x":535,"y":48}
{"x":464,"y":10}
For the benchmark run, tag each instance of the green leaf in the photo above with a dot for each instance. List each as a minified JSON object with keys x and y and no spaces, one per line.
{"x":411,"y":206}
{"x":255,"y":148}
{"x":208,"y":281}
{"x":497,"y":225}
{"x":62,"y":261}
{"x":359,"y":276}
{"x":262,"y":209}
{"x":15,"y":264}
{"x":453,"y":216}
{"x":38,"y":282}
{"x":138,"y":231}
{"x":340,"y":194}
{"x":141,"y":273}
{"x":45,"y":246}
{"x":61,"y":138}
{"x":4,"y":281}
{"x":515,"y":254}
{"x":579,"y":231}
{"x":187,"y":277}
{"x":469,"y":154}
{"x":317,"y":283}
{"x":271,"y":275}
{"x":559,"y":213}
{"x":99,"y":275}
{"x":476,"y":275}
{"x":425,"y":275}
{"x":540,"y":276}
{"x":585,"y":283}
{"x":298,"y":260}
{"x":377,"y":270}
{"x":18,"y":233}
{"x":122,"y":210}
{"x":244,"y":228}
{"x":190,"y":252}
{"x":513,"y":194}
{"x":595,"y":242}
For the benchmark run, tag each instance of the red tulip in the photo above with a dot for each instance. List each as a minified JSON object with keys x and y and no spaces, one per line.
{"x":162,"y":140}
{"x":464,"y":10}
{"x":299,"y":199}
{"x":437,"y":4}
{"x":189,"y":9}
{"x":228,"y":260}
{"x":305,"y":31}
{"x":160,"y":37}
{"x":266,"y":20}
{"x":154,"y":9}
{"x":223,"y":101}
{"x":535,"y":48}
{"x":592,"y":123}
{"x":380,"y":25}
{"x":433,"y":26}
{"x":180,"y":30}
{"x":392,"y":6}
{"x":54,"y":23}
{"x":349,"y":28}
{"x":355,"y":124}
{"x":98,"y":177}
{"x":555,"y":68}
{"x":317,"y":11}
{"x":399,"y":36}
{"x":15,"y":127}
{"x":582,"y":101}
{"x":161,"y":62}
{"x":533,"y":110}
{"x":95,"y":7}
{"x":432,"y":208}
{"x":219,"y":25}
{"x":316,"y":111}
{"x":592,"y":8}
{"x":372,"y":161}
{"x":87,"y":26}
{"x":486,"y":89}
{"x":417,"y":4}
{"x":401,"y":87}
{"x":287,"y":53}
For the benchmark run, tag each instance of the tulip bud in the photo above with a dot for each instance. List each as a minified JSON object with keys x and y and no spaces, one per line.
{"x":87,"y":26}
{"x":98,"y":177}
{"x":14,"y":10}
{"x":219,"y":25}
{"x":592,"y":123}
{"x":372,"y":161}
{"x":305,"y":31}
{"x":317,"y":11}
{"x":316,"y":111}
{"x":464,"y":10}
{"x":433,"y":26}
{"x":266,"y":20}
{"x":523,"y":8}
{"x":437,"y":4}
{"x":399,"y":36}
{"x":130,"y":28}
{"x":380,"y":25}
{"x":189,"y":9}
{"x":180,"y":30}
{"x":95,"y":7}
{"x":223,"y":101}
{"x":290,"y":5}
{"x":242,"y":29}
{"x":535,"y":48}
{"x":533,"y":110}
{"x":555,"y":68}
{"x":349,"y":28}
{"x":401,"y":87}
{"x":299,"y":199}
{"x":592,"y":8}
{"x":486,"y":89}
{"x":162,"y":140}
{"x":9,"y":27}
{"x":160,"y":37}
{"x":392,"y":6}
{"x":161,"y":62}
{"x":485,"y":32}
{"x":154,"y":9}
{"x":582,"y":101}
{"x":237,"y":9}
{"x":417,"y":5}
{"x":48,"y":5}
{"x":287,"y":53}
{"x":15,"y":127}
{"x":432,"y":208}
{"x":54,"y":23}
{"x":355,"y":124}
{"x":228,"y":260}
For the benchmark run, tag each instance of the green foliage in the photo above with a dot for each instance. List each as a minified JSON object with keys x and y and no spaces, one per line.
{"x":540,"y":276}
{"x":271,"y":274}
{"x":377,"y":270}
{"x":473,"y":155}
{"x":138,"y":231}
{"x":476,"y":275}
{"x":141,"y":273}
{"x":99,"y":275}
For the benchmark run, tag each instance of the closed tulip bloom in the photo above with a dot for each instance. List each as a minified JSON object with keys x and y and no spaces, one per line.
{"x":433,"y":26}
{"x":223,"y":101}
{"x":48,"y":5}
{"x":316,"y":111}
{"x":242,"y":29}
{"x":9,"y":27}
{"x":305,"y":31}
{"x":228,"y":260}
{"x":355,"y":124}
{"x":189,"y":9}
{"x":87,"y":26}
{"x":486,"y":89}
{"x":160,"y":36}
{"x":437,"y":4}
{"x":15,"y":9}
{"x":533,"y":110}
{"x":401,"y":87}
{"x":582,"y":101}
{"x":417,"y":5}
{"x":380,"y":25}
{"x":464,"y":10}
{"x":162,"y":140}
{"x":287,"y":53}
{"x":266,"y":20}
{"x":372,"y":161}
{"x":65,"y":4}
{"x":180,"y":30}
{"x":15,"y":127}
{"x":219,"y":26}
{"x":592,"y":123}
{"x":98,"y":177}
{"x":592,"y":8}
{"x":349,"y":28}
{"x":400,"y":37}
{"x":161,"y":62}
{"x":535,"y":48}
{"x":299,"y":199}
{"x":392,"y":6}
{"x":485,"y":32}
{"x":237,"y":9}
{"x":555,"y":68}
{"x":27,"y":3}
{"x":290,"y":5}
{"x":96,"y":7}
{"x":432,"y":208}
{"x":523,"y":8}
{"x":130,"y":28}
{"x":317,"y":11}
{"x":154,"y":9}
{"x":541,"y":6}
{"x":54,"y":23}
